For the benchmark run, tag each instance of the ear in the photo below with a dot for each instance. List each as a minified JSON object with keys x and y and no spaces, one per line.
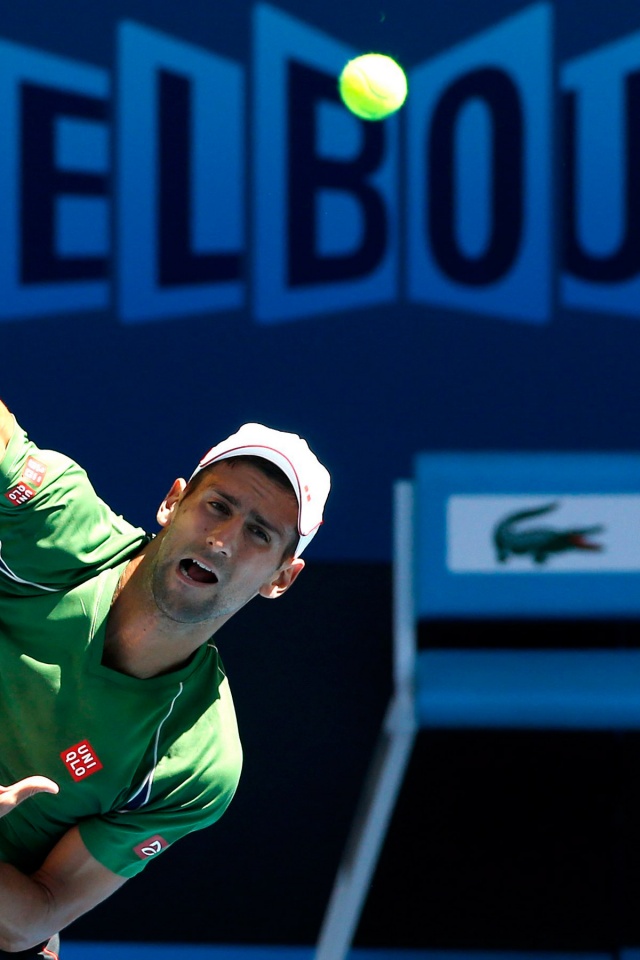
{"x":284,"y":578}
{"x":168,"y":505}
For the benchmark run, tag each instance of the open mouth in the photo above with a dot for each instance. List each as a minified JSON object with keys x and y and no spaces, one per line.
{"x":197,"y":571}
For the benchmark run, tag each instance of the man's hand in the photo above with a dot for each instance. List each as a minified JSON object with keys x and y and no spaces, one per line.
{"x":11,"y":796}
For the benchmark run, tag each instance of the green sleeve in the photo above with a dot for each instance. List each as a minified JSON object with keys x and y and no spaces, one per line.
{"x":55,"y":531}
{"x":192,"y":787}
{"x":126,"y":842}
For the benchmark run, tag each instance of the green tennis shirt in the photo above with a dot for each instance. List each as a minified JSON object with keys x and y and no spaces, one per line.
{"x":140,"y":763}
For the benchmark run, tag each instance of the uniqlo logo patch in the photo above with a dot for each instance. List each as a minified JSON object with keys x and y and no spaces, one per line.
{"x":19,"y":494}
{"x":34,"y":472}
{"x":81,"y":760}
{"x":150,"y":847}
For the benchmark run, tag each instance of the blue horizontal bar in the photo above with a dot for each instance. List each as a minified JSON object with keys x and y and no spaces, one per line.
{"x":537,"y":689}
{"x":80,"y":950}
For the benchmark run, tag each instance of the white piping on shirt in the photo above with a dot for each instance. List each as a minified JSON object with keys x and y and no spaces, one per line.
{"x":8,"y":572}
{"x":148,"y":780}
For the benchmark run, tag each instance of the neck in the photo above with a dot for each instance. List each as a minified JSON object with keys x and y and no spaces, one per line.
{"x":139,"y":640}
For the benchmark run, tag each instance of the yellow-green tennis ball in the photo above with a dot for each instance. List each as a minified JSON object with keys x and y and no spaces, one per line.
{"x":373,"y":86}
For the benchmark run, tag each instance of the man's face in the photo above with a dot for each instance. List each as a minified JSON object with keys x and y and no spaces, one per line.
{"x":222,"y":544}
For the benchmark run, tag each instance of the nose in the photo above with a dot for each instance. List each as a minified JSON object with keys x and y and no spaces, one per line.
{"x":222,"y":540}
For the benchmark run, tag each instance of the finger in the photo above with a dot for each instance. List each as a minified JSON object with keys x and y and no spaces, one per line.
{"x":16,"y":793}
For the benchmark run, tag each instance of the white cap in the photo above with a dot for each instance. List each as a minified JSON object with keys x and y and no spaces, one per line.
{"x":309,"y":479}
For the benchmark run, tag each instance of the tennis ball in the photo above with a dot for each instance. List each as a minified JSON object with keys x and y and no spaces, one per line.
{"x":373,"y":86}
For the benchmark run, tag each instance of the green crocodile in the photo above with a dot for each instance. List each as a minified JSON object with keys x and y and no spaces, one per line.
{"x":539,"y":542}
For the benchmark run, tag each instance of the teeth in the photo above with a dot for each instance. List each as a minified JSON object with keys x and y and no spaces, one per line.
{"x":202,"y":566}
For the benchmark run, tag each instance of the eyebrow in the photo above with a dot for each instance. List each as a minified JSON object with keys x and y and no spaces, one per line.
{"x":256,"y":516}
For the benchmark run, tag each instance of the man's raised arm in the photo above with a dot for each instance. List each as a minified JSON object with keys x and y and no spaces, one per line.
{"x":6,"y":428}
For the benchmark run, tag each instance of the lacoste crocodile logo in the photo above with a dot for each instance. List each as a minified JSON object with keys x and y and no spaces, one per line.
{"x":539,"y":542}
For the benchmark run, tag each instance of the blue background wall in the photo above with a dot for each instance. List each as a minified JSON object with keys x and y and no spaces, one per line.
{"x":365,"y":332}
{"x":464,"y":368}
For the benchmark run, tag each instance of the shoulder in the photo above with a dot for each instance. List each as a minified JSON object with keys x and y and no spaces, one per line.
{"x":27,"y":465}
{"x":55,"y":530}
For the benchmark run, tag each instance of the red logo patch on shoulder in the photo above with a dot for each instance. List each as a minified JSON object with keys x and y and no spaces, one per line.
{"x":81,"y":760}
{"x":20,"y":494}
{"x":150,"y":847}
{"x":34,"y":472}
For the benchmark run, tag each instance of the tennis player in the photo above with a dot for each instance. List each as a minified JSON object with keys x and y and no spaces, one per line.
{"x":117,"y":729}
